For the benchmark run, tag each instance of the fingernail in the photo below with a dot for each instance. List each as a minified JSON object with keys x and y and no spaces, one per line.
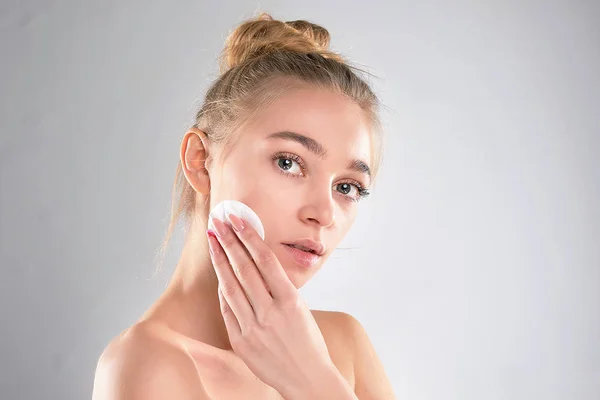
{"x":219,"y":227}
{"x":210,"y":235}
{"x":236,"y":222}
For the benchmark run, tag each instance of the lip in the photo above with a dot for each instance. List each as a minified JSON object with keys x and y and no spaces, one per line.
{"x":301,"y":257}
{"x":315,"y":246}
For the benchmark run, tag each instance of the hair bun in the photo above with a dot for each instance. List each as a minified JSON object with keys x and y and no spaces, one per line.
{"x":263,"y":35}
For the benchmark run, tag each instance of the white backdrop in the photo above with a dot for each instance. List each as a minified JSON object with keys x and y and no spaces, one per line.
{"x":475,"y":264}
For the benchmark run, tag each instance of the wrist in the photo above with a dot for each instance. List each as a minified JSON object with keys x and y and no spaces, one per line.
{"x":327,"y":384}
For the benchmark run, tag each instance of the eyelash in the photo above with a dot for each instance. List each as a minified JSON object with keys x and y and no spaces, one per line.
{"x":362,"y":191}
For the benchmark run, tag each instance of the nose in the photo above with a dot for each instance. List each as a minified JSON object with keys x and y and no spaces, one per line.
{"x":319,"y":208}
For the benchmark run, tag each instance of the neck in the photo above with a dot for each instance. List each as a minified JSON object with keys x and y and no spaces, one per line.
{"x":190,"y":304}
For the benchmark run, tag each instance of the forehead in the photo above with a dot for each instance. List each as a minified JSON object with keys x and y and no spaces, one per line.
{"x":332,"y":119}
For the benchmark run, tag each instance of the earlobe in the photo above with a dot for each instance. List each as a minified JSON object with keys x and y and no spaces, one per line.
{"x":194,"y":155}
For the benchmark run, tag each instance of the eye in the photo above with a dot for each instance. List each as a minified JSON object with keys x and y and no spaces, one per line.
{"x":292,"y":165}
{"x":289,"y":163}
{"x":345,"y":188}
{"x":353,"y":191}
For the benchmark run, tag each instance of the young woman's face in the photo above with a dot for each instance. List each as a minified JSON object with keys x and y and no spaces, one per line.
{"x":301,"y":165}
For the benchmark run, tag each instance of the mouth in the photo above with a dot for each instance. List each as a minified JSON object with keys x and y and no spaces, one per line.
{"x":303,"y":248}
{"x":302,"y":255}
{"x":308,"y":245}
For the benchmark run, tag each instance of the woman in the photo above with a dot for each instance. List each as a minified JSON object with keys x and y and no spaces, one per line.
{"x":291,"y":131}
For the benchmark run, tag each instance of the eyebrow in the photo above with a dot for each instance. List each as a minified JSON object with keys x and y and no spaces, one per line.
{"x":316,"y":148}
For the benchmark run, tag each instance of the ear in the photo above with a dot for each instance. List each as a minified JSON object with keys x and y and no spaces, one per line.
{"x":194,"y":156}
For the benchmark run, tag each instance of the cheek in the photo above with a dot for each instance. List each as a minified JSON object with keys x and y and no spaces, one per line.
{"x":274,"y":201}
{"x":240,"y":180}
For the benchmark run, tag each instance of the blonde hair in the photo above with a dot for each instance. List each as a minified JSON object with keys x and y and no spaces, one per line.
{"x":262,"y":59}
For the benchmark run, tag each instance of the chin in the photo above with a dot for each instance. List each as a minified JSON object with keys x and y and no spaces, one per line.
{"x":297,"y":275}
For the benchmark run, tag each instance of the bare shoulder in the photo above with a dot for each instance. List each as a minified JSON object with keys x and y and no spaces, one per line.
{"x":339,"y":325}
{"x":141,"y":364}
{"x":334,"y":327}
{"x":370,"y":379}
{"x":331,"y":319}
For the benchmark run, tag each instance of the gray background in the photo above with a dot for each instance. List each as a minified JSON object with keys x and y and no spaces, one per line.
{"x":475,"y":265}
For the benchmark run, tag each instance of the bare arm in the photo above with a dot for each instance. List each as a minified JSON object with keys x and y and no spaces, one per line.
{"x":149,"y":371}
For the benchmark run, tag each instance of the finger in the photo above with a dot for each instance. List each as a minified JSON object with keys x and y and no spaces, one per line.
{"x":265,"y":260}
{"x":230,"y":287}
{"x":231,"y":322}
{"x":244,"y":268}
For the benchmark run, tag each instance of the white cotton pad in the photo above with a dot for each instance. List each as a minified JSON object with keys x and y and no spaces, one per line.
{"x":238,"y":209}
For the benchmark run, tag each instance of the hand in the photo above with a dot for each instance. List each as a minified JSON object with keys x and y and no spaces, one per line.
{"x":273,"y":332}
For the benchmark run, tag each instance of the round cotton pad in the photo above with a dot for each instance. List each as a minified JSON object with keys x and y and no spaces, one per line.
{"x":238,"y":209}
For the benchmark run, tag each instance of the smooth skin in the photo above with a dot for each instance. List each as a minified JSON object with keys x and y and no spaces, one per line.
{"x":274,"y":332}
{"x":181,"y":348}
